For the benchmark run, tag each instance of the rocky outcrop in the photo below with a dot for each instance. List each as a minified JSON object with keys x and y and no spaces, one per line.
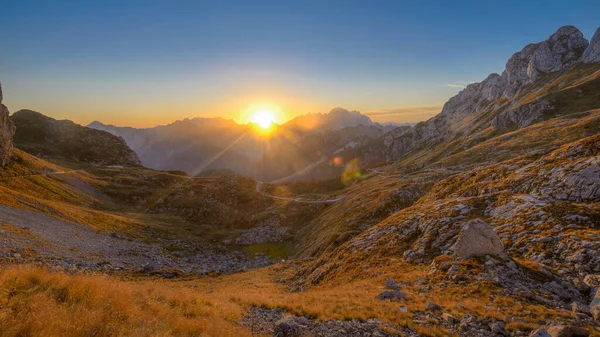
{"x":592,"y":52}
{"x":477,"y":238}
{"x":521,"y":116}
{"x":7,"y":130}
{"x":466,"y":113}
{"x":562,"y":49}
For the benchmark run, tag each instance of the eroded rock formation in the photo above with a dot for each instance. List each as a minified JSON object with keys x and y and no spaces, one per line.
{"x":7,"y":130}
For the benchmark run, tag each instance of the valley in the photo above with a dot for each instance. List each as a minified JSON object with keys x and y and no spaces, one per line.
{"x":481,"y":221}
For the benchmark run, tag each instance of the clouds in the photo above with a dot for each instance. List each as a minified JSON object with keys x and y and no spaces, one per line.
{"x":411,"y":114}
{"x":453,"y":85}
{"x":458,"y":84}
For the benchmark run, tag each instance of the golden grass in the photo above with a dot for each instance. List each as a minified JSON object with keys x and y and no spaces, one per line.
{"x":38,"y":303}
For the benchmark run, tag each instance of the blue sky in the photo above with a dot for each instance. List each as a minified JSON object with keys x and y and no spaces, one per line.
{"x":150,"y":62}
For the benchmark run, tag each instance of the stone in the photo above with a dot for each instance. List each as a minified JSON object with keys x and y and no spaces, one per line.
{"x":449,"y":318}
{"x":592,"y":281}
{"x":541,"y":332}
{"x":7,"y":131}
{"x":592,"y":52}
{"x":566,"y":331}
{"x":391,"y":284}
{"x":477,"y":238}
{"x":595,"y":299}
{"x":579,"y":307}
{"x":498,"y":328}
{"x":560,"y":50}
{"x":391,"y":295}
{"x":432,"y":306}
{"x":286,"y":327}
{"x":595,"y":313}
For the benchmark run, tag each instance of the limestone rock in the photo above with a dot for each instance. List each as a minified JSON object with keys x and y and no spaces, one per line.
{"x":286,"y":327}
{"x":541,"y":332}
{"x":561,"y":49}
{"x":477,"y":238}
{"x":596,"y":300}
{"x":566,"y":331}
{"x":521,"y":116}
{"x":390,"y":295}
{"x":391,"y":284}
{"x":592,"y":52}
{"x":591,"y":280}
{"x":7,"y":131}
{"x":596,"y":313}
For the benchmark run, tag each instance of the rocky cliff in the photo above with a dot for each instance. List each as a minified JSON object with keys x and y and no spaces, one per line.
{"x":500,"y":102}
{"x":7,"y":130}
{"x":592,"y":53}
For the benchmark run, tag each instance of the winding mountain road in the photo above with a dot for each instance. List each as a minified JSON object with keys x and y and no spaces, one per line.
{"x":298,"y":199}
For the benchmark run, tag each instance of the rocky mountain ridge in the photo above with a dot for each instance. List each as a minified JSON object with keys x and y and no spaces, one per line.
{"x":200,"y":144}
{"x":45,"y":136}
{"x":498,"y":102}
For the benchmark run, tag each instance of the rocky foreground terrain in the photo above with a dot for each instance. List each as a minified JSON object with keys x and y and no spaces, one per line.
{"x":483,"y":221}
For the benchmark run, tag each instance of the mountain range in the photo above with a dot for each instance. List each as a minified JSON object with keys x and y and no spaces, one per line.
{"x":204,"y":144}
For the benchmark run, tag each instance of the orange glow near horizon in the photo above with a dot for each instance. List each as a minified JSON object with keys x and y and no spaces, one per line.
{"x":264,"y":122}
{"x":263,"y":119}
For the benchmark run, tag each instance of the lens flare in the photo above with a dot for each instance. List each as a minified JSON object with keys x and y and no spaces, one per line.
{"x":263,"y":119}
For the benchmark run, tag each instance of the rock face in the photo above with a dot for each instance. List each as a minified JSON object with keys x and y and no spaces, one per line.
{"x":7,"y":130}
{"x":521,"y":116}
{"x":592,"y":53}
{"x":561,"y":50}
{"x":463,"y":114}
{"x":477,"y":238}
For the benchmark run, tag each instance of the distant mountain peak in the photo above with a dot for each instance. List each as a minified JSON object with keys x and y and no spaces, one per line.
{"x":336,"y":119}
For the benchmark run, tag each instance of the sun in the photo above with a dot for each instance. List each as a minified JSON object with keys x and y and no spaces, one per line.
{"x":263,"y":119}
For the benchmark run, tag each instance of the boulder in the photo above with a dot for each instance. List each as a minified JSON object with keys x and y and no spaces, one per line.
{"x":595,"y":313}
{"x":449,"y":318}
{"x":595,"y":299}
{"x":579,"y":307}
{"x":391,"y":284}
{"x":566,"y":331}
{"x":390,"y":295}
{"x":7,"y":131}
{"x":477,"y":238}
{"x":432,"y":306}
{"x":591,"y":280}
{"x":541,"y":332}
{"x":287,"y":327}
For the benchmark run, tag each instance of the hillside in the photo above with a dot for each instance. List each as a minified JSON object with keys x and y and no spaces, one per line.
{"x":47,"y":137}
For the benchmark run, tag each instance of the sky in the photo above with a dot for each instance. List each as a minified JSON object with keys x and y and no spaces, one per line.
{"x":144,"y":63}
